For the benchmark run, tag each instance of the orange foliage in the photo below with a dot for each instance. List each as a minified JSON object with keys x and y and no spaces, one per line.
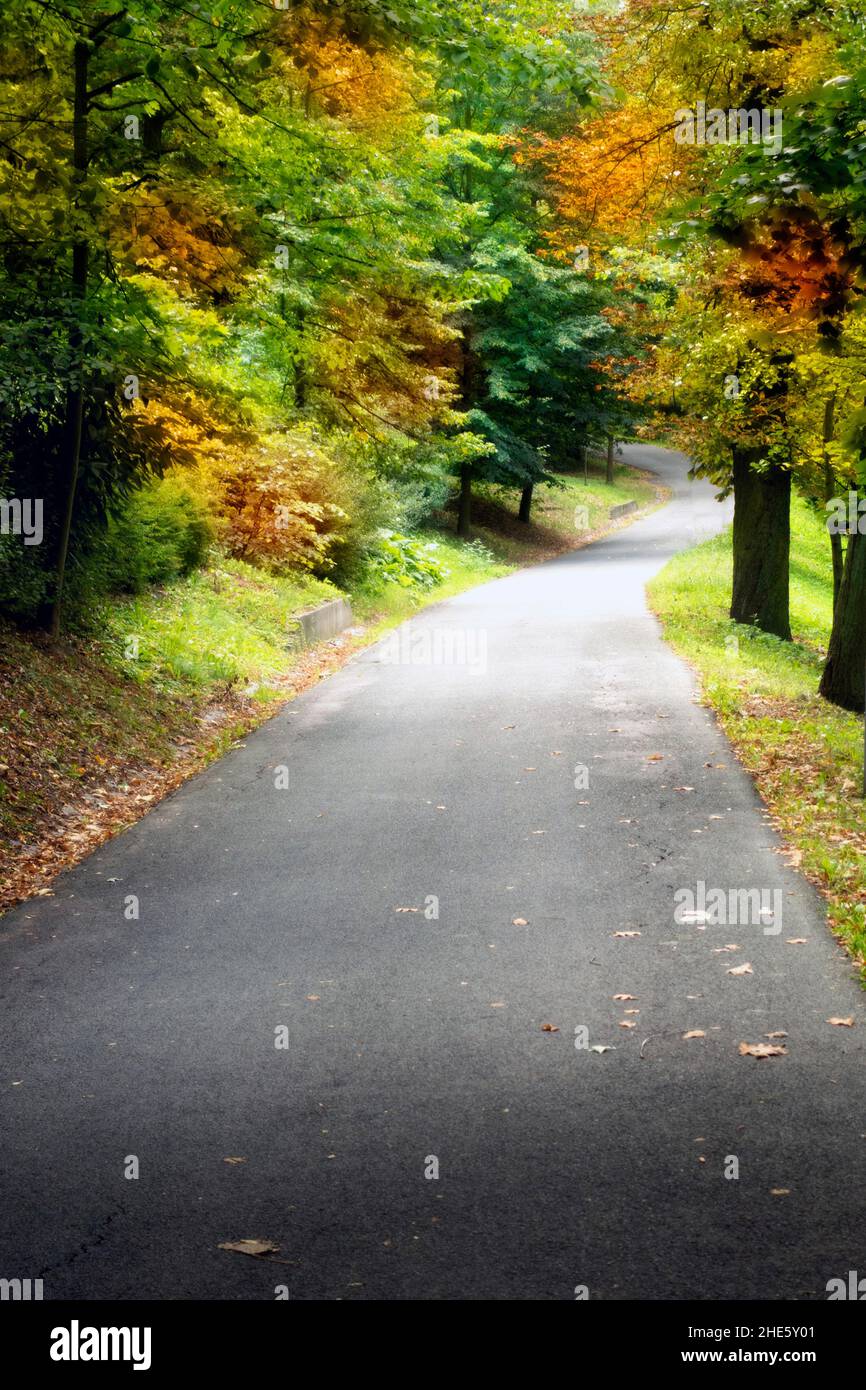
{"x":613,"y":177}
{"x":196,"y":248}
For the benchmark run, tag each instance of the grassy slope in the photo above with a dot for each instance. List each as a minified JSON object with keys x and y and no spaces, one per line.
{"x":806,"y":755}
{"x":91,"y":735}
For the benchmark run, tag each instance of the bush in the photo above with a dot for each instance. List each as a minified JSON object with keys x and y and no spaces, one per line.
{"x":24,"y":583}
{"x":413,"y":564}
{"x":162,"y":533}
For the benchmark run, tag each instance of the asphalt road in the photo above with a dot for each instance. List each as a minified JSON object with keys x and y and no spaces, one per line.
{"x":441,"y":764}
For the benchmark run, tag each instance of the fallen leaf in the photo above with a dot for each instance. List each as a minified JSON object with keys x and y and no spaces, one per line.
{"x":549,"y":1028}
{"x":632,"y":1011}
{"x":600,"y":1048}
{"x":406,"y":909}
{"x":623,"y":996}
{"x":249,"y":1247}
{"x":761,"y":1050}
{"x":234,"y":1160}
{"x":780,"y":1191}
{"x":498,"y":1004}
{"x":519,"y":922}
{"x":683,"y":789}
{"x":775,"y":1035}
{"x":655,"y":757}
{"x":626,"y":933}
{"x":719,"y":950}
{"x":796,"y":940}
{"x":841,"y":1022}
{"x":695,"y":1033}
{"x":627,"y":1023}
{"x":744,"y":969}
{"x":314,"y":998}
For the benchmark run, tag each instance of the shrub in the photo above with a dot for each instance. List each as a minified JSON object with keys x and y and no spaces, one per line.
{"x":404,"y":560}
{"x":161,"y":533}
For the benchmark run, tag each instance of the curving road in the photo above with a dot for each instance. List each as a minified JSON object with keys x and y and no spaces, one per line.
{"x":441,"y":765}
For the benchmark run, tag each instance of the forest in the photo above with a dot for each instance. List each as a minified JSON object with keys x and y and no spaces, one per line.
{"x":301,"y":294}
{"x":432,"y":669}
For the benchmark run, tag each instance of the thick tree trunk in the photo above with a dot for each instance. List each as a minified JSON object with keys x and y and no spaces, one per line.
{"x":75,"y":394}
{"x":762,"y":544}
{"x":844,"y":678}
{"x":464,"y":520}
{"x":526,"y":503}
{"x":610,"y":444}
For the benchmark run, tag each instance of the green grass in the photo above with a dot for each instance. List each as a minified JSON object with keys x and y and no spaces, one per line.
{"x":806,"y":755}
{"x":223,"y":625}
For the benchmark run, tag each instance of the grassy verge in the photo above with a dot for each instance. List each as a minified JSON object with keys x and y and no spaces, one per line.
{"x":95,"y":731}
{"x":805,"y":754}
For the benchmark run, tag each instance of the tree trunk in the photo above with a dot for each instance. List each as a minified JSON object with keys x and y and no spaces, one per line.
{"x":844,"y":677}
{"x":829,"y":492}
{"x":526,"y":503}
{"x":71,"y":453}
{"x":468,"y":376}
{"x":762,"y":544}
{"x":464,"y":521}
{"x":610,"y":444}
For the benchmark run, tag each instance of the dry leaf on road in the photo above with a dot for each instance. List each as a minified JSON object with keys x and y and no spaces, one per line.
{"x":841,"y":1022}
{"x":622,"y":997}
{"x":626,"y":933}
{"x":744,"y":969}
{"x":249,"y":1247}
{"x":695,"y":1033}
{"x":761,"y":1050}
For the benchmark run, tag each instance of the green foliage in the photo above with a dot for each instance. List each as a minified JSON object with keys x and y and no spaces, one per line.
{"x":162,"y":533}
{"x":413,"y":564}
